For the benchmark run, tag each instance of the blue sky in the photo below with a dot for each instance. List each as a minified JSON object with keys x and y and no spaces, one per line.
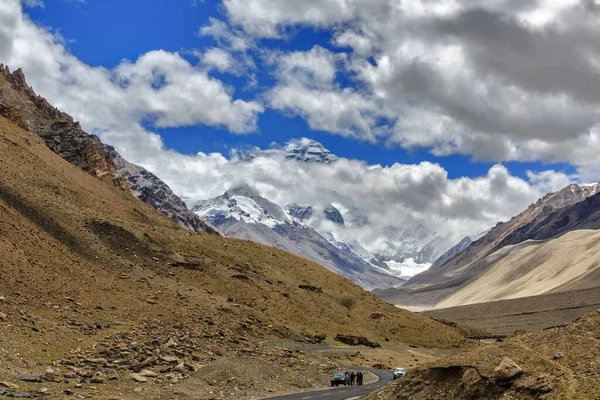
{"x":104,"y":32}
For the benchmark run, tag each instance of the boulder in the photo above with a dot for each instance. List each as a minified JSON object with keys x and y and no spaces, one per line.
{"x":356,"y":341}
{"x":507,"y":369}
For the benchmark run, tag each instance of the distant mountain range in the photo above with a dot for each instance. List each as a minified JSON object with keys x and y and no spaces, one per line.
{"x":244,"y":214}
{"x":516,"y":258}
{"x":406,"y":246}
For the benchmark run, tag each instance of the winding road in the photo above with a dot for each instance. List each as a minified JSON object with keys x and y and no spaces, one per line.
{"x":345,"y":392}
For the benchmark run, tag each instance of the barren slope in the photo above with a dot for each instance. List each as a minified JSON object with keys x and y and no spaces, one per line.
{"x":567,"y":210}
{"x":534,"y":268}
{"x":84,"y":263}
{"x":557,"y":363}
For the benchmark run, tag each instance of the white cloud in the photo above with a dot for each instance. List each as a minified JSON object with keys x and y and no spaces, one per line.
{"x":159,"y":86}
{"x":34,"y":3}
{"x":500,"y":80}
{"x":306,"y":86}
{"x":219,"y":59}
{"x":225,"y":36}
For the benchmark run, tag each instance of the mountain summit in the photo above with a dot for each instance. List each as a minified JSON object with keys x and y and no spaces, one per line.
{"x":308,"y":150}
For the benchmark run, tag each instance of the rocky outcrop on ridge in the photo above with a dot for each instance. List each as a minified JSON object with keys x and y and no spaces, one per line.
{"x":153,"y":191}
{"x":20,"y":104}
{"x":555,"y":363}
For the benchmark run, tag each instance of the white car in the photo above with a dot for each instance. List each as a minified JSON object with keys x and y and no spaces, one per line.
{"x":399,"y":373}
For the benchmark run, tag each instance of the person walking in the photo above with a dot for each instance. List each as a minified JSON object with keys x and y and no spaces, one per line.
{"x":352,"y":377}
{"x":359,"y":378}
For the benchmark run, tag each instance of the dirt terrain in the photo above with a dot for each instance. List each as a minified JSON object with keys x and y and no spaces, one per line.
{"x":103,"y":297}
{"x":556,"y":363}
{"x":529,"y":313}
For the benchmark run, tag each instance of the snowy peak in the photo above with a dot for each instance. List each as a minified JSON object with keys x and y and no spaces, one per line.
{"x":244,"y":204}
{"x":308,"y":150}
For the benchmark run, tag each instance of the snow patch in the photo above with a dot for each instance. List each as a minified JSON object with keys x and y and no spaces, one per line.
{"x":408,"y":268}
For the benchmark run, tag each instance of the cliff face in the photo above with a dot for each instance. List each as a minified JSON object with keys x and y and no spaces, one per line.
{"x":153,"y":191}
{"x":21,"y":105}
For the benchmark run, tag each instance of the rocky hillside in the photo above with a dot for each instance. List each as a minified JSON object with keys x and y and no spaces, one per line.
{"x":98,"y":287}
{"x":154,"y":192}
{"x":243,"y":213}
{"x":556,"y":363}
{"x":20,"y":104}
{"x":574,"y":207}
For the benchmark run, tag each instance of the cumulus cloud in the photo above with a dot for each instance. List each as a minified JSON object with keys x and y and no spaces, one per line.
{"x":498,"y":80}
{"x":375,"y":200}
{"x":159,"y":86}
{"x":307,"y":86}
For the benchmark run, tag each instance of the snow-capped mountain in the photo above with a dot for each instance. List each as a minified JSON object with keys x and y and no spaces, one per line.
{"x":309,"y":151}
{"x":244,"y":214}
{"x":405,"y":246}
{"x":244,"y":204}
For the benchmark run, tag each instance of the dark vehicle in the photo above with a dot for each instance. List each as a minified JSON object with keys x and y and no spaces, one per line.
{"x":340,"y":378}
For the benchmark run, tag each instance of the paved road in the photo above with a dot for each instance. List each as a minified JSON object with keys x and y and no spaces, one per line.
{"x":343,"y":392}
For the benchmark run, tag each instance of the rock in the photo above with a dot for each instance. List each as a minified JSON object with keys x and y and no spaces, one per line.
{"x":170,"y":359}
{"x":2,"y":298}
{"x":3,"y":317}
{"x":97,"y":379}
{"x":9,"y":385}
{"x":148,"y":374}
{"x":189,"y":367}
{"x":180,"y":367}
{"x":356,"y":340}
{"x":138,"y":389}
{"x":68,"y":392}
{"x":558,"y":355}
{"x":139,"y":378}
{"x":30,"y":377}
{"x":171,"y":343}
{"x":51,"y":375}
{"x":507,"y":369}
{"x":21,"y":395}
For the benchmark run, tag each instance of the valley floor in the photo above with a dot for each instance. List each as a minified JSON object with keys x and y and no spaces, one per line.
{"x":504,"y":317}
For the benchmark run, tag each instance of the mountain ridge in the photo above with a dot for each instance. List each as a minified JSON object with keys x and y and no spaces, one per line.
{"x":573,"y":207}
{"x":21,"y":105}
{"x":244,"y":214}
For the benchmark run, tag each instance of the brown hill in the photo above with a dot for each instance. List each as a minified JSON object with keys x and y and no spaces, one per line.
{"x":556,"y":363}
{"x":20,"y":104}
{"x":100,"y":285}
{"x":575,"y":207}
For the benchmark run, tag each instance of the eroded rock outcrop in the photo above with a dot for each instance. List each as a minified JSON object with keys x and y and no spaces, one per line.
{"x":64,"y":136}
